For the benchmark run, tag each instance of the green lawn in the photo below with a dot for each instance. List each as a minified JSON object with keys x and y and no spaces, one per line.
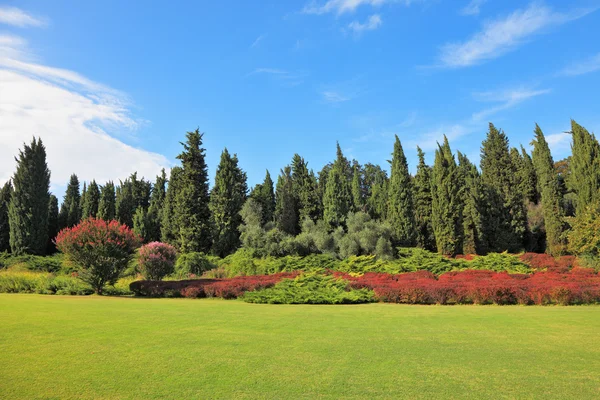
{"x":55,"y":347}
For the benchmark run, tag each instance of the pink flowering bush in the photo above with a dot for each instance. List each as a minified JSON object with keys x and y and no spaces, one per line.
{"x":100,"y":249}
{"x":156,"y":260}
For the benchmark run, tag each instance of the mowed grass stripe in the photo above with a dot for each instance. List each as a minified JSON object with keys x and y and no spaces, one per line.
{"x":126,"y":348}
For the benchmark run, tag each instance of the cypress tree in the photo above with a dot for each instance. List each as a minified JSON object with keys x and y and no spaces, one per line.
{"x":446,"y":215}
{"x":28,"y":209}
{"x":91,"y":201}
{"x":505,"y":214}
{"x":226,"y":201}
{"x":52,"y":224}
{"x":131,"y":194}
{"x":285,"y":207}
{"x":191,"y":214}
{"x":264,"y":195}
{"x":5,"y":196}
{"x":107,"y":203}
{"x":550,"y":193}
{"x":168,"y":227}
{"x":305,"y":194}
{"x":400,"y":212}
{"x":70,"y":213}
{"x":82,"y":201}
{"x":337,"y":200}
{"x":376,"y":191}
{"x":528,"y":177}
{"x":425,"y":237}
{"x":472,"y":242}
{"x":358,"y":197}
{"x":141,"y":223}
{"x":584,"y":167}
{"x":153,"y":217}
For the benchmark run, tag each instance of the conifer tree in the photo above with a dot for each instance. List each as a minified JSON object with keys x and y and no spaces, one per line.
{"x":107,"y":203}
{"x":5,"y":196}
{"x":376,"y":191}
{"x":191,"y":213}
{"x":472,"y":242}
{"x":584,"y":167}
{"x":401,"y":214}
{"x":28,"y":208}
{"x":226,"y":201}
{"x":446,"y":215}
{"x":305,"y":194}
{"x":358,"y":197}
{"x":141,"y":223}
{"x":153,"y":217}
{"x":70,"y":213}
{"x":264,"y":195}
{"x":528,"y":177}
{"x":551,"y":198}
{"x":168,"y":227}
{"x":91,"y":201}
{"x":285,"y":207}
{"x":505,"y":214}
{"x":425,"y":237}
{"x":82,"y":201}
{"x":337,"y":199}
{"x":52,"y":224}
{"x":131,"y":194}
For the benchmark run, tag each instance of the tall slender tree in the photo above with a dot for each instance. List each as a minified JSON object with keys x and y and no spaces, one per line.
{"x":131,"y":194}
{"x":264,"y":195}
{"x":168,"y":228}
{"x":584,"y":167}
{"x":528,"y":178}
{"x":70,"y":213}
{"x":5,"y":196}
{"x":226,"y":201}
{"x":552,"y":208}
{"x":82,"y":201}
{"x":358,"y":195}
{"x":91,"y":201}
{"x":400,"y":212}
{"x":305,"y":194}
{"x":28,"y":209}
{"x":472,"y":242}
{"x":425,"y":237}
{"x":376,"y":184}
{"x":286,"y":216}
{"x":52,"y":224}
{"x":337,"y":200}
{"x":107,"y":203}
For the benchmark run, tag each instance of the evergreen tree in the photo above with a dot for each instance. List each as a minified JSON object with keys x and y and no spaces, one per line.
{"x":528,"y":178}
{"x":82,"y":201}
{"x":505,"y":214}
{"x":28,"y":209}
{"x":5,"y":196}
{"x":337,"y":200}
{"x":472,"y":242}
{"x":226,"y":201}
{"x":70,"y":213}
{"x":446,"y":215}
{"x":131,"y":194}
{"x":550,"y":192}
{"x":358,"y":196}
{"x":142,"y":223}
{"x":91,"y":201}
{"x":401,"y":214}
{"x":375,"y":184}
{"x":425,"y":237}
{"x":305,"y":194}
{"x":168,"y":227}
{"x":191,"y":214}
{"x":264,"y":195}
{"x":584,"y":167}
{"x":52,"y":224}
{"x":153,"y":217}
{"x":107,"y":203}
{"x":285,"y":203}
{"x":322,"y":185}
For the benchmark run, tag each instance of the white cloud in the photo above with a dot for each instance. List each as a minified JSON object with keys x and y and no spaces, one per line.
{"x":72,"y":114}
{"x":505,"y":34}
{"x":17,"y":17}
{"x":473,"y":8}
{"x":559,"y":143}
{"x":347,"y":6}
{"x":373,"y":22}
{"x":258,"y":40}
{"x":334,"y":97}
{"x":592,"y":64}
{"x":506,"y":98}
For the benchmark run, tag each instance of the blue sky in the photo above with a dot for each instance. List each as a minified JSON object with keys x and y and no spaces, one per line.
{"x":112,"y":86}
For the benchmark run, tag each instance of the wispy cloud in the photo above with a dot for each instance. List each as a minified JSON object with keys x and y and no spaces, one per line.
{"x":372,"y":23}
{"x":506,"y":99}
{"x":17,"y":17}
{"x":62,"y":106}
{"x":503,"y":35}
{"x":591,"y":64}
{"x":334,"y":97}
{"x":257,"y":41}
{"x":286,"y":78}
{"x":340,"y":7}
{"x":473,"y":8}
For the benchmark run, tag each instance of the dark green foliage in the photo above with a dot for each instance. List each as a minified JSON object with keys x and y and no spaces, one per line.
{"x":505,"y":214}
{"x":584,"y":167}
{"x":264,"y":195}
{"x":82,"y":201}
{"x":305,"y":190}
{"x":400,"y":212}
{"x":286,"y":217}
{"x":5,"y":196}
{"x":337,"y":200}
{"x":91,"y":201}
{"x":425,"y":237}
{"x":141,"y":224}
{"x":28,"y":208}
{"x":447,"y":205}
{"x":226,"y":200}
{"x":528,"y":178}
{"x":310,"y":288}
{"x":131,"y":194}
{"x":365,"y":236}
{"x":472,"y":197}
{"x":358,"y":196}
{"x":168,"y":226}
{"x":191,"y":216}
{"x":107,"y":203}
{"x":147,"y":223}
{"x":70,"y":213}
{"x":375,"y":184}
{"x":52,"y":223}
{"x":193,"y":263}
{"x":551,"y":198}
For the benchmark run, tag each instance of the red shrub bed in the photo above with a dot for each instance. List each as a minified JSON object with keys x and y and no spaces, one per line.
{"x":547,"y":262}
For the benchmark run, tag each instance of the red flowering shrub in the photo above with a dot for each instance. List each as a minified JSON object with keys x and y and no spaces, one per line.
{"x":156,"y":260}
{"x":99,"y":248}
{"x":547,"y":262}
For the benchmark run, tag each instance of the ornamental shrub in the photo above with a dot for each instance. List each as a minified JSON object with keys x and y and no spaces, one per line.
{"x":156,"y":260}
{"x":193,"y":263}
{"x":100,"y":249}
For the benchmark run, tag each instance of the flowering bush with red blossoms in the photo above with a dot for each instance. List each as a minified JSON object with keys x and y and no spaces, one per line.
{"x":546,"y":262}
{"x":156,"y":260}
{"x":100,"y":249}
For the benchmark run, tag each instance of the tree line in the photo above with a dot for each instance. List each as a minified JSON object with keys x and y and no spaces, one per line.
{"x":514,"y":201}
